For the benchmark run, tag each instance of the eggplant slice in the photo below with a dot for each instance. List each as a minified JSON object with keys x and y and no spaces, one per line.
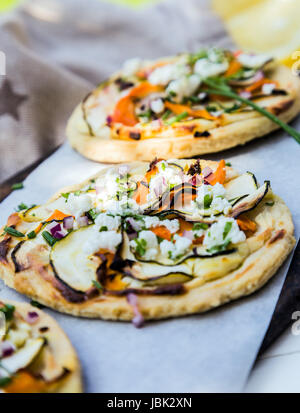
{"x":240,"y":187}
{"x":251,"y":201}
{"x":71,"y":264}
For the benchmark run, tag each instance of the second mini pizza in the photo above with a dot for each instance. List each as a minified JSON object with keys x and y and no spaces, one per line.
{"x":184,"y":105}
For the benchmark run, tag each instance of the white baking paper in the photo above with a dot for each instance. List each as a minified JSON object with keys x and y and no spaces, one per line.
{"x":209,"y":352}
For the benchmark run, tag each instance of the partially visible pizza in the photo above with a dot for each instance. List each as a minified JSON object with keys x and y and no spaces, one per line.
{"x":148,"y":241}
{"x":184,"y":105}
{"x":35,"y":354}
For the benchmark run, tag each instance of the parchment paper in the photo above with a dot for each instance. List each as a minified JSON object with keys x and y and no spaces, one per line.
{"x":208,"y":352}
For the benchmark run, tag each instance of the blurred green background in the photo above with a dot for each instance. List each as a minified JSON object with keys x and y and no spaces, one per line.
{"x":9,"y":4}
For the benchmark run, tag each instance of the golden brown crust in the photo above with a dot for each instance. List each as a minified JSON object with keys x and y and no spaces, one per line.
{"x":244,"y":129}
{"x":269,"y":248}
{"x":61,"y":348}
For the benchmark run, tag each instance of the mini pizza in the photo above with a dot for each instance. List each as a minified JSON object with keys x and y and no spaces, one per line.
{"x":147,"y":241}
{"x":183,"y":106}
{"x":35,"y":354}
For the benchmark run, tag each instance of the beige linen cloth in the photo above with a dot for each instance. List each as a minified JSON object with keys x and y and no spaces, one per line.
{"x":56,"y":51}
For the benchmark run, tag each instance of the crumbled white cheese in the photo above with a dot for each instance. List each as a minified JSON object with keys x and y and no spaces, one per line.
{"x":215,"y":236}
{"x":151,"y":244}
{"x":131,"y":66}
{"x":151,"y":221}
{"x":216,"y":193}
{"x":112,"y":223}
{"x":102,"y":240}
{"x":184,"y":86}
{"x":252,"y":60}
{"x":79,"y":204}
{"x":175,"y":249}
{"x":206,"y":68}
{"x":171,"y":224}
{"x":164,"y":74}
{"x":268,"y":88}
{"x":157,"y":105}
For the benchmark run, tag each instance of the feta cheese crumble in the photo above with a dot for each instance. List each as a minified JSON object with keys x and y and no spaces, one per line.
{"x":212,"y":198}
{"x":157,"y":105}
{"x":184,"y":86}
{"x":206,"y":68}
{"x":221,"y":233}
{"x":145,"y":245}
{"x":102,"y":240}
{"x":164,"y":74}
{"x":107,"y":222}
{"x":175,"y":249}
{"x":79,"y":204}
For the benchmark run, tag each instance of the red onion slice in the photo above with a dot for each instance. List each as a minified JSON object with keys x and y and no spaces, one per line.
{"x":68,"y":222}
{"x":6,"y":348}
{"x":207,"y":171}
{"x":83,"y":221}
{"x":188,"y":234}
{"x":138,"y":320}
{"x":136,"y":226}
{"x":244,"y":94}
{"x":32,"y":317}
{"x":54,"y":229}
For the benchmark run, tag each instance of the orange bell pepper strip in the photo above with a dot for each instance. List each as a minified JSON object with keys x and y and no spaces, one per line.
{"x":124,"y":111}
{"x":115,"y":284}
{"x":259,"y":84}
{"x":219,"y":175}
{"x":57,"y":216}
{"x":140,"y":195}
{"x":233,"y":68}
{"x":246,"y":224}
{"x":162,"y":232}
{"x":24,"y":382}
{"x":197,"y":113}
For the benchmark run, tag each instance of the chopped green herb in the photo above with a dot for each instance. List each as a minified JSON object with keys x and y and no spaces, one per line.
{"x":199,"y":225}
{"x":93,"y":213}
{"x":103,"y":228}
{"x":4,"y":381}
{"x":227,"y":228}
{"x":65,"y":195}
{"x":36,"y":304}
{"x":166,"y":114}
{"x":49,"y":238}
{"x":77,"y":193}
{"x":170,"y":255}
{"x":31,"y":235}
{"x":219,"y":248}
{"x":141,"y":245}
{"x":177,"y":118}
{"x":163,"y":166}
{"x":22,"y":206}
{"x":228,"y":163}
{"x":12,"y":231}
{"x":17,"y":186}
{"x":8,"y":310}
{"x":97,"y":285}
{"x":232,"y":108}
{"x":207,"y":201}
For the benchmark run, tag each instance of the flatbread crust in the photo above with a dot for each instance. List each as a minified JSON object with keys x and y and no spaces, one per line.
{"x":270,"y":246}
{"x":243,"y":128}
{"x":61,"y":347}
